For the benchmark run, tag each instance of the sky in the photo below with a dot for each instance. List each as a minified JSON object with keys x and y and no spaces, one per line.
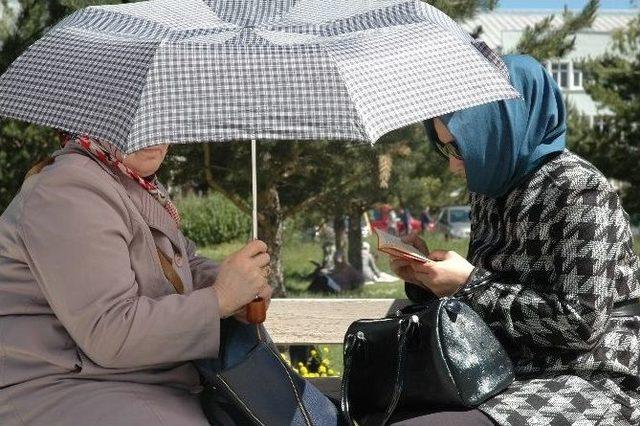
{"x":559,"y":4}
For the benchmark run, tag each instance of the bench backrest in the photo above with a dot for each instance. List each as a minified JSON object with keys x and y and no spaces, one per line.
{"x":318,"y":321}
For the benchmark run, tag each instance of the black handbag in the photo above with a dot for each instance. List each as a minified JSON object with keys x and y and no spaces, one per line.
{"x":440,"y":354}
{"x":249,"y":383}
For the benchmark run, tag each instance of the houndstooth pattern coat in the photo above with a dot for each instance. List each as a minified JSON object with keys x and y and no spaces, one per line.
{"x":557,"y":253}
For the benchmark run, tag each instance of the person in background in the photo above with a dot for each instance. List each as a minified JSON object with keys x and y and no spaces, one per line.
{"x":344,"y":275}
{"x":392,"y":224}
{"x":328,"y":253}
{"x":550,"y":267}
{"x":406,"y":219}
{"x":369,"y":268}
{"x":425,"y":219}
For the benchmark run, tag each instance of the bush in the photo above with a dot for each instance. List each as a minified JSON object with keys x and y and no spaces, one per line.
{"x":212,"y":220}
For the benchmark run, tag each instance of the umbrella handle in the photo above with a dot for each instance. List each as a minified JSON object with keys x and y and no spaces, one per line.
{"x":256,"y":310}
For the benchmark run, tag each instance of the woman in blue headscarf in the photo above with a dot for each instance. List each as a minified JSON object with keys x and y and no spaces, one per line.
{"x":550,"y":266}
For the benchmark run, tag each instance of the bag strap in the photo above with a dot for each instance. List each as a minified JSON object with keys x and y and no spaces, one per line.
{"x":169,"y":272}
{"x":37,"y":167}
{"x":357,"y":341}
{"x":353,"y":341}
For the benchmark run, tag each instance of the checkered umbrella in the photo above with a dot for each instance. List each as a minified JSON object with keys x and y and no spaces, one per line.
{"x":214,"y":70}
{"x":184,"y":71}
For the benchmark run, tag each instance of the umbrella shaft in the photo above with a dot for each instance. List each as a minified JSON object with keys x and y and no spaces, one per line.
{"x":254,"y":191}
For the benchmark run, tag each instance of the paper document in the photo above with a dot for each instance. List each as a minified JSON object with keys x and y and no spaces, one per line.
{"x":394,"y":246}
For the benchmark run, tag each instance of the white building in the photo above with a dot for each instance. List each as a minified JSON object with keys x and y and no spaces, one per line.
{"x":502,"y":30}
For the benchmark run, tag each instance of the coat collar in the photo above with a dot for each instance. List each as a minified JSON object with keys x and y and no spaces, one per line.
{"x":152,"y":212}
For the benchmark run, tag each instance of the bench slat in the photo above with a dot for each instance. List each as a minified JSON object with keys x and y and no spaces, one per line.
{"x":318,"y":321}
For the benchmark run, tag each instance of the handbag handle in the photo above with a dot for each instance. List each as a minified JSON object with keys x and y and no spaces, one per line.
{"x":358,"y":341}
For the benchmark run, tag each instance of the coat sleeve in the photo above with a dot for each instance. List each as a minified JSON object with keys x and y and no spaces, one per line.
{"x":76,"y":233}
{"x":569,"y":294}
{"x":203,"y":270}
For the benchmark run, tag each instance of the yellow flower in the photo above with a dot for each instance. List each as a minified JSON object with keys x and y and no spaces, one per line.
{"x":325,"y":350}
{"x":323,"y":374}
{"x":322,"y":369}
{"x":314,"y":352}
{"x":300,"y":365}
{"x":326,"y":362}
{"x":330,"y":372}
{"x":303,"y":370}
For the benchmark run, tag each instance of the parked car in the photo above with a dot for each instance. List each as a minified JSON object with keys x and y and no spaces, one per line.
{"x":454,"y":222}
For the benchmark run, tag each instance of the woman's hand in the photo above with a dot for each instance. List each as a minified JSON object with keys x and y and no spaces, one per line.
{"x":447,"y":272}
{"x":243,"y":276}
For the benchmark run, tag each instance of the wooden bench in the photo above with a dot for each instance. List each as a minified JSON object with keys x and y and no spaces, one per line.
{"x":322,"y":321}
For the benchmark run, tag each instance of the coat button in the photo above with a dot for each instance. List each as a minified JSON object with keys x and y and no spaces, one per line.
{"x":178,"y":260}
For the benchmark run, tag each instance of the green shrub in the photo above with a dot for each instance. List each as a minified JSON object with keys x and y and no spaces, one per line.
{"x":212,"y":220}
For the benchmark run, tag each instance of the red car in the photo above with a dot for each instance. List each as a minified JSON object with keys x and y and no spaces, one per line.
{"x":383,"y":222}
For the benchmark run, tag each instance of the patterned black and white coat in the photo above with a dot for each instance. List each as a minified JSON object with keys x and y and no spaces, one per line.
{"x":557,"y":253}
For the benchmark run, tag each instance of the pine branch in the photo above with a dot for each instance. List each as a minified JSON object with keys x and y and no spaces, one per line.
{"x":318,"y":198}
{"x":546,"y":41}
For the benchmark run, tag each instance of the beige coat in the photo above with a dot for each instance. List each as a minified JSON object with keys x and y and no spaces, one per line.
{"x":91,"y":331}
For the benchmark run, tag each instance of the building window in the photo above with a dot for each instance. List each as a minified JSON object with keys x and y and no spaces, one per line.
{"x":560,"y":73}
{"x":577,"y":76}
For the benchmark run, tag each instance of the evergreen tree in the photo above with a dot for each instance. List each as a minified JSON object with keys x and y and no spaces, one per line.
{"x":613,"y":81}
{"x":547,"y":40}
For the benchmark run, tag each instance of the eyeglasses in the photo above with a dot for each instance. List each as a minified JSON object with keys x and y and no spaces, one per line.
{"x":450,"y":149}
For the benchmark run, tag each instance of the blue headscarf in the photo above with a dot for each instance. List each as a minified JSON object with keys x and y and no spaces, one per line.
{"x":503,"y":142}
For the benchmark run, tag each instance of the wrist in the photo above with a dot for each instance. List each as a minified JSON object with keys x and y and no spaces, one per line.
{"x":223,"y":308}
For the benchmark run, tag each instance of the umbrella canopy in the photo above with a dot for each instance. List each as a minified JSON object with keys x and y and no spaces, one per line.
{"x":184,"y":71}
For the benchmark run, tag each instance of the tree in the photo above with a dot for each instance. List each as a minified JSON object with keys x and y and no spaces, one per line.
{"x":546,"y":40}
{"x":613,"y":81}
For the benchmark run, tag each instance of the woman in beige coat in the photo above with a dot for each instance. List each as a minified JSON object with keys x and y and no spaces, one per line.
{"x":93,"y":330}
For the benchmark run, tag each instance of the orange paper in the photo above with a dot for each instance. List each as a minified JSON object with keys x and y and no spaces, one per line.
{"x":394,"y":246}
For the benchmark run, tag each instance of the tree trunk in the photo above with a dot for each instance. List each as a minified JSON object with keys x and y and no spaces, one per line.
{"x":270,"y":230}
{"x":355,"y":238}
{"x":340,"y":234}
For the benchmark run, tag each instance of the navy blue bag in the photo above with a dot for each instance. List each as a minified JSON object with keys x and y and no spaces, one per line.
{"x":249,"y":383}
